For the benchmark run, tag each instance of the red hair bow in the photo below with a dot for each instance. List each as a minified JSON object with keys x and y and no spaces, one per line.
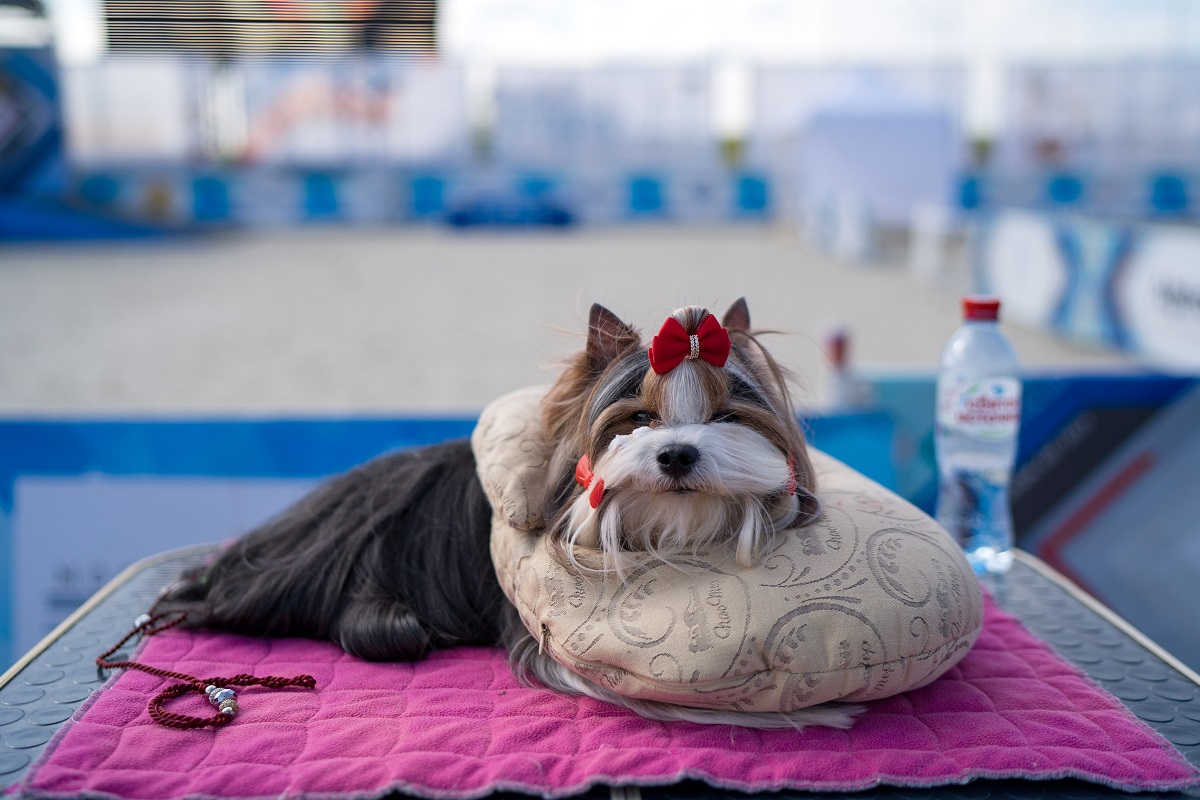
{"x":584,"y":477}
{"x":673,"y":345}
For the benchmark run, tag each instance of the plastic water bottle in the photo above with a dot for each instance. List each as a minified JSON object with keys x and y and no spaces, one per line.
{"x":978,"y":414}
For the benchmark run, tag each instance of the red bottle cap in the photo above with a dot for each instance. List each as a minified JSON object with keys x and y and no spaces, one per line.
{"x":977,"y":308}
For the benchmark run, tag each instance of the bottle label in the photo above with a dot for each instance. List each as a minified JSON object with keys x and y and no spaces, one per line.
{"x":988,"y":409}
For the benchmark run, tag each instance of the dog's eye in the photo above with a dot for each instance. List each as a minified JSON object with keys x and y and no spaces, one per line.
{"x":643,"y":417}
{"x":724,"y":416}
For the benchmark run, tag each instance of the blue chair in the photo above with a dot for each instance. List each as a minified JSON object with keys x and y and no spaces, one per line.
{"x":1169,"y":195}
{"x":1064,"y":190}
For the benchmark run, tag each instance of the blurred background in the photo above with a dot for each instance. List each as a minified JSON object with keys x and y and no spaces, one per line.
{"x":247,"y":244}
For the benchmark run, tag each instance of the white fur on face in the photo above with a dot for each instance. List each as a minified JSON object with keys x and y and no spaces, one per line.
{"x":734,"y":460}
{"x":735,"y":492}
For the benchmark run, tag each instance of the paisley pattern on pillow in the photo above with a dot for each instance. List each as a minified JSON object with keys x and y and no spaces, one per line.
{"x":872,"y":599}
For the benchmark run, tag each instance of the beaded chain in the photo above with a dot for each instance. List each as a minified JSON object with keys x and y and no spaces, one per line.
{"x":215,"y":689}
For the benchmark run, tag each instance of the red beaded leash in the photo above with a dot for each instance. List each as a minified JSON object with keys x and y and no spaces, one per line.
{"x":216,"y":689}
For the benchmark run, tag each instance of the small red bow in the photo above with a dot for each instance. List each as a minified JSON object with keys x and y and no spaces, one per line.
{"x":673,"y":344}
{"x":584,"y":477}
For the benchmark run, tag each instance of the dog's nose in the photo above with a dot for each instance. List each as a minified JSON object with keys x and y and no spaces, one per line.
{"x":678,"y":459}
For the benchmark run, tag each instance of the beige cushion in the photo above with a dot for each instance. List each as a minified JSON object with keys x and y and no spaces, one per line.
{"x":871,"y":600}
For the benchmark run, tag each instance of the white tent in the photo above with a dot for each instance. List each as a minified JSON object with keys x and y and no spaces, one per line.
{"x":872,"y":146}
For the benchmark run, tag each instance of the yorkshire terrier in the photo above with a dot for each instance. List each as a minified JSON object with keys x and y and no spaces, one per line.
{"x":691,"y":443}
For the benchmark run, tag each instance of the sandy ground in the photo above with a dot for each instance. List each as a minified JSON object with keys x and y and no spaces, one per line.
{"x":393,"y":321}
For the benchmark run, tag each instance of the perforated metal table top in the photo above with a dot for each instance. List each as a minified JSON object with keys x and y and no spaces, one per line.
{"x":48,"y":685}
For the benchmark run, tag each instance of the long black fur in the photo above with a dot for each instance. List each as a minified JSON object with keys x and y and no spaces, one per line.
{"x":389,"y":560}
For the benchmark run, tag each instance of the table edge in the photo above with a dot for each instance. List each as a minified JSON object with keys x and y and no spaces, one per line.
{"x":102,"y":594}
{"x":1066,"y":584}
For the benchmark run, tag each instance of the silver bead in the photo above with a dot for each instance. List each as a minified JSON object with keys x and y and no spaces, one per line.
{"x":221,"y":695}
{"x":228,"y":707}
{"x":141,"y":620}
{"x":228,"y":711}
{"x":208,"y":690}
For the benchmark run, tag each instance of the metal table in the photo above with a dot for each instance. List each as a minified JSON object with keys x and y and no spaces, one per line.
{"x":42,"y":690}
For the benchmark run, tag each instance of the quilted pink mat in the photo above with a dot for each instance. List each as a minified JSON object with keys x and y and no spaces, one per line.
{"x":458,"y":726}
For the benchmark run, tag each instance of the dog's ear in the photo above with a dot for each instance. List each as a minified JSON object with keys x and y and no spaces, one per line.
{"x":607,"y":337}
{"x":737,"y":318}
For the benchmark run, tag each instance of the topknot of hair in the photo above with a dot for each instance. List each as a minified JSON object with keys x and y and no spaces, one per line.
{"x":690,"y":317}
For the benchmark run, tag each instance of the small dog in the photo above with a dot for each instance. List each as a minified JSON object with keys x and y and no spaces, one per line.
{"x":688,"y":444}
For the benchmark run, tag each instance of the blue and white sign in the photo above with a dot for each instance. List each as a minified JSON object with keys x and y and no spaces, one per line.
{"x":1158,"y":298}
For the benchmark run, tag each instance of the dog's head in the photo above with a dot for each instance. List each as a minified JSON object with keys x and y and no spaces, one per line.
{"x":679,"y":447}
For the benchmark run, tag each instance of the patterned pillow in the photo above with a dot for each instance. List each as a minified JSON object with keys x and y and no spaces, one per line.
{"x":870,"y":600}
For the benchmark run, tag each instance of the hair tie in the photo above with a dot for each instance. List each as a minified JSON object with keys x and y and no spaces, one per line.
{"x":673,"y":345}
{"x":584,"y":477}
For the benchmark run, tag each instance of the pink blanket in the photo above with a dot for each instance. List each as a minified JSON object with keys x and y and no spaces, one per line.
{"x":458,"y":726}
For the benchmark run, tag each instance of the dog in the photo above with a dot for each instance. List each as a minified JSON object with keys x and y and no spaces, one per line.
{"x":688,"y":444}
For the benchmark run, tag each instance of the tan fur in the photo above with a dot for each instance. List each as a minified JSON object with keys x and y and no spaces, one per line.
{"x":565,"y":410}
